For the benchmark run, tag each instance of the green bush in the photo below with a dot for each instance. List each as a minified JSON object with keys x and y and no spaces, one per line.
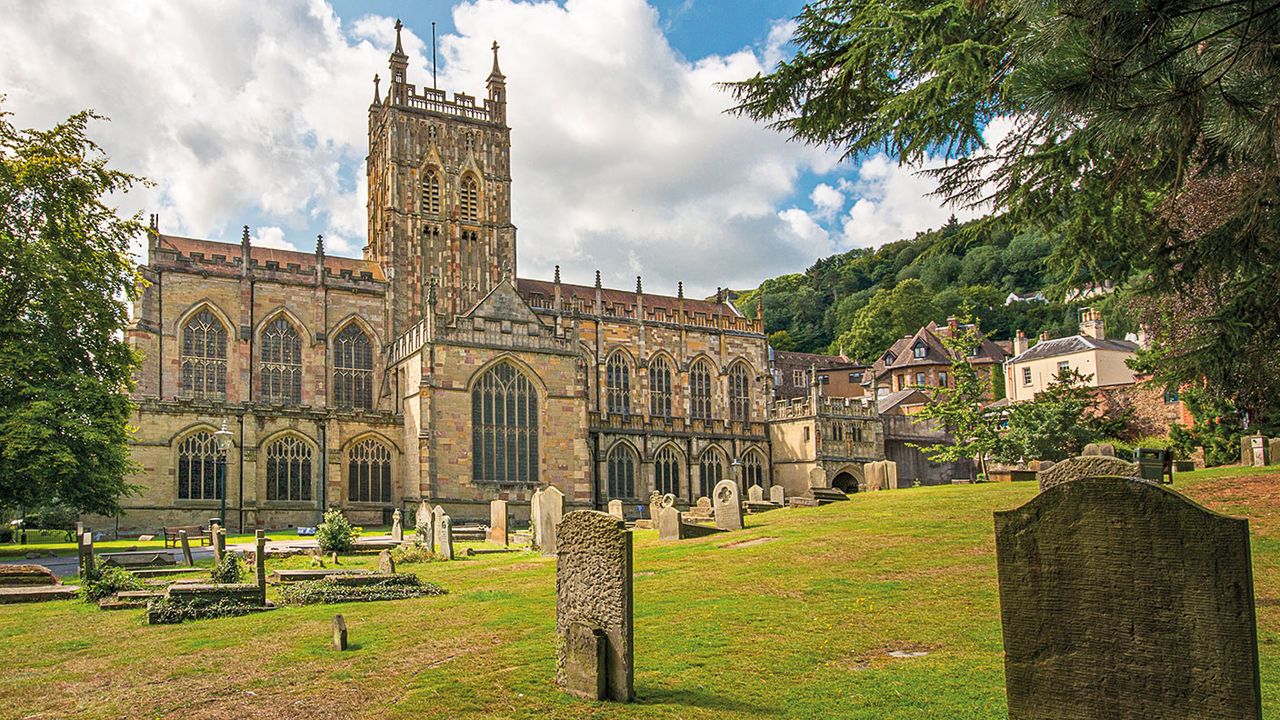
{"x":107,"y":581}
{"x":409,"y":554}
{"x":336,"y":533}
{"x":328,"y":590}
{"x":229,"y":571}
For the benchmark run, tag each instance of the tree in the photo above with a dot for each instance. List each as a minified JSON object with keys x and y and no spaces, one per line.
{"x":1055,"y":424}
{"x":65,"y":280}
{"x":782,"y":340}
{"x":961,"y":408}
{"x":887,"y":316}
{"x":1142,"y":135}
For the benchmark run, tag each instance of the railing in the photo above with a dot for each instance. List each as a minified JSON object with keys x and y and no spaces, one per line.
{"x":674,"y":425}
{"x":827,"y":406}
{"x":462,"y":105}
{"x":848,"y":448}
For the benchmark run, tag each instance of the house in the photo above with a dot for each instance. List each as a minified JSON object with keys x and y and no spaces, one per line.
{"x":793,"y":372}
{"x":1090,"y":353}
{"x":1014,"y":297}
{"x":922,"y":360}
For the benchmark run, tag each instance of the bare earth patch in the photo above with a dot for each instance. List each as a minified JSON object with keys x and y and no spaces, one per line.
{"x":1255,"y":497}
{"x":748,"y":543}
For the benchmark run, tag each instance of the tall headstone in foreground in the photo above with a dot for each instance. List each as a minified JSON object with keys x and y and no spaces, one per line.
{"x":669,"y":524}
{"x":550,"y":510}
{"x":497,"y":522}
{"x":1121,"y":600}
{"x":615,"y":509}
{"x":423,"y":526}
{"x":594,"y":607}
{"x":535,"y":505}
{"x":1085,"y":466}
{"x":728,"y":506}
{"x":397,"y":526}
{"x":890,"y":475}
{"x":444,"y":535}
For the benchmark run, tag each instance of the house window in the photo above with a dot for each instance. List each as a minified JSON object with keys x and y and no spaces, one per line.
{"x":824,"y":379}
{"x":712,"y":468}
{"x":739,"y":394}
{"x":281,"y":363}
{"x":920,"y":379}
{"x":889,"y":358}
{"x":431,"y":193}
{"x":942,"y":379}
{"x":806,"y":433}
{"x":752,"y":470}
{"x":504,"y":427}
{"x":1026,"y":376}
{"x":1170,"y":396}
{"x":700,"y":391}
{"x":855,"y":377}
{"x":201,"y":467}
{"x":352,"y":369}
{"x":659,"y":387}
{"x":666,"y":471}
{"x":618,"y":384}
{"x":1063,"y":366}
{"x":919,"y":350}
{"x":369,"y":472}
{"x":797,"y":378}
{"x":289,"y":469}
{"x":469,"y":199}
{"x":204,"y":357}
{"x":622,"y":471}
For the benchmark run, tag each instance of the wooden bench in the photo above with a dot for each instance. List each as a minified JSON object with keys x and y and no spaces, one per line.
{"x":196,"y":535}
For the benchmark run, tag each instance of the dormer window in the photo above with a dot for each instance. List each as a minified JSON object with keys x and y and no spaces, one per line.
{"x":919,"y":350}
{"x":889,"y":358}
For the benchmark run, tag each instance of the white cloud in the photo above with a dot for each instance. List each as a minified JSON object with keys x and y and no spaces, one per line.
{"x":827,"y":200}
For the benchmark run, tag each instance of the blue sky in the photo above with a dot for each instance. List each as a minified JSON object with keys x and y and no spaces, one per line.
{"x":623,"y":159}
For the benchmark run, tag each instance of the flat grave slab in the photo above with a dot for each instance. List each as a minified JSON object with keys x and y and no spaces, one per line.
{"x":293,"y":576}
{"x":36,"y":593}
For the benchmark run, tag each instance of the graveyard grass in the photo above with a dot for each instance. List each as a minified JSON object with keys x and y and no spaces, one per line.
{"x":799,"y":626}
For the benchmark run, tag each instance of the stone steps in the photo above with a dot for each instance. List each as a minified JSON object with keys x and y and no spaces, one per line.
{"x":752,"y":507}
{"x":828,"y":495}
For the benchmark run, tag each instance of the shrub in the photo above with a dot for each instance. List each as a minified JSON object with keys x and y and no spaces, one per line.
{"x":228,"y":571}
{"x":336,"y":533}
{"x":107,"y":581}
{"x":330,"y":590}
{"x":409,"y":554}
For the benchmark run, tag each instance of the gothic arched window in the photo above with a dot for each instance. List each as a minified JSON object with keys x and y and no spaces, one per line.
{"x":204,"y":357}
{"x":700,"y":390}
{"x":201,"y":467}
{"x":289,"y":469}
{"x":431,"y":193}
{"x":369,"y":472}
{"x":469,"y":199}
{"x":752,"y":470}
{"x":659,"y":387}
{"x":666,"y":471}
{"x":618,"y":384}
{"x":712,"y":471}
{"x":281,"y":363}
{"x":504,"y":427}
{"x":353,"y":369}
{"x":622,"y":471}
{"x":739,"y":393}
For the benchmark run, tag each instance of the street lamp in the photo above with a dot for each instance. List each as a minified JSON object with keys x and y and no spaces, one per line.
{"x":223,"y":437}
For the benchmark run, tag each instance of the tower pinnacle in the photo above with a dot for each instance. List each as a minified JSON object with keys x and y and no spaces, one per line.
{"x":496,"y":73}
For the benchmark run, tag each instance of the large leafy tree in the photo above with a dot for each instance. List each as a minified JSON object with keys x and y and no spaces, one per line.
{"x":1143,"y":135}
{"x":887,"y":316}
{"x":65,"y":280}
{"x":1056,"y":424}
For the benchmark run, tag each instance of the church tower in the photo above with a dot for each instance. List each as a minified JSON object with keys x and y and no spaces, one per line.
{"x":439,"y":194}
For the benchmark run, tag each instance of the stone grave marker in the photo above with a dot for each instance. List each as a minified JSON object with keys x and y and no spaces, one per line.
{"x":260,"y":564}
{"x":186,"y":548}
{"x":615,"y":509}
{"x":655,"y":505}
{"x":890,"y":475}
{"x":1085,"y":466}
{"x":339,"y":633}
{"x":550,"y":510}
{"x":535,"y":505}
{"x":728,"y":506}
{"x":668,"y":500}
{"x":1258,"y":443}
{"x":755,"y":493}
{"x":386,"y":563}
{"x":1122,"y":600}
{"x":87,"y":566}
{"x":1090,"y":449}
{"x":397,"y":526}
{"x":444,"y":536}
{"x":498,"y":522}
{"x":777,"y":495}
{"x":424,"y":526}
{"x":594,"y":607}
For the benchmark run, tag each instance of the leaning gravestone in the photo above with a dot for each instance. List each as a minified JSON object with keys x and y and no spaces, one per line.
{"x":1122,"y":600}
{"x":615,"y":509}
{"x":186,"y":548}
{"x":1085,"y":466}
{"x":397,"y":526}
{"x":777,"y":495}
{"x":755,"y":494}
{"x":217,"y":540}
{"x":444,"y":534}
{"x":497,"y":522}
{"x":550,"y":510}
{"x":339,"y":633}
{"x":727,"y":505}
{"x":424,"y":526}
{"x":386,"y":563}
{"x":594,"y":607}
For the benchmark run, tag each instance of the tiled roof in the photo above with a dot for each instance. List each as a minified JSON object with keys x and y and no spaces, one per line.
{"x":989,"y":352}
{"x":804,"y":361}
{"x":891,"y":400}
{"x":1074,"y":344}
{"x":587,"y":294}
{"x":231,"y":251}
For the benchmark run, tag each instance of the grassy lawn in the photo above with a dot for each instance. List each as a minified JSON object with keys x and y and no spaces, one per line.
{"x":796,"y":627}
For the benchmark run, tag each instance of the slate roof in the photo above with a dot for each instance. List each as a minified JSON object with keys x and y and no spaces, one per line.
{"x":186,"y":247}
{"x":1074,"y":344}
{"x":889,"y":401}
{"x":989,"y":352}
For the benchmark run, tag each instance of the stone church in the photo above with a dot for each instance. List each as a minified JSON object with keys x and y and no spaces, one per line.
{"x":276,"y":383}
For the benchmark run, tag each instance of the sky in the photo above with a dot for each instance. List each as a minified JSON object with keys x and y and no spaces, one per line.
{"x":623,"y":157}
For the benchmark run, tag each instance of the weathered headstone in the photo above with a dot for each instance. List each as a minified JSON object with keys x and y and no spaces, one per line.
{"x":87,"y":566}
{"x":498,"y":522}
{"x":755,"y":493}
{"x":615,"y":509}
{"x":1090,"y":450}
{"x":425,"y":526}
{"x":550,"y":510}
{"x":186,"y":548}
{"x":535,"y":505}
{"x":703,"y":502}
{"x":668,"y":500}
{"x":594,"y":607}
{"x":397,"y":526}
{"x":777,"y":495}
{"x":655,"y":505}
{"x":1258,"y":443}
{"x":1273,"y":451}
{"x":214,"y":533}
{"x":1122,"y":600}
{"x":260,"y":564}
{"x":874,"y":474}
{"x":444,"y":536}
{"x":1085,"y":466}
{"x":386,"y":563}
{"x":890,"y":475}
{"x":669,"y":522}
{"x":727,"y":505}
{"x":339,"y":633}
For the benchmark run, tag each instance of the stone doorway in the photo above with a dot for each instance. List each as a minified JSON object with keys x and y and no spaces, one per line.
{"x":845,"y":483}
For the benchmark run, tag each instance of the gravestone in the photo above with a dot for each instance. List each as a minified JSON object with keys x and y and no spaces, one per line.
{"x":615,"y":509}
{"x":890,"y":475}
{"x":498,"y":522}
{"x":550,"y":510}
{"x":535,"y":505}
{"x":444,"y":535}
{"x":1258,"y":444}
{"x":339,"y":633}
{"x":260,"y":565}
{"x":669,"y":522}
{"x":1090,"y":450}
{"x":186,"y":548}
{"x":728,"y":507}
{"x":1085,"y":466}
{"x":594,"y":607}
{"x":668,"y":500}
{"x":1122,"y":600}
{"x":655,"y":505}
{"x":397,"y":526}
{"x":87,"y":566}
{"x":386,"y":563}
{"x":874,"y":473}
{"x":777,"y":495}
{"x":755,"y":493}
{"x":703,"y":502}
{"x":216,"y":539}
{"x":1273,"y":451}
{"x":424,"y":525}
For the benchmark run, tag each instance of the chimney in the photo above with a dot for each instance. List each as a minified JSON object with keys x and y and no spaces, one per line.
{"x":1019,"y":343}
{"x":1044,"y":336}
{"x":1091,"y":324}
{"x":953,"y":325}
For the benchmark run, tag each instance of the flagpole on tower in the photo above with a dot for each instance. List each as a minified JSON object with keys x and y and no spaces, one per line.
{"x":434,"y":86}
